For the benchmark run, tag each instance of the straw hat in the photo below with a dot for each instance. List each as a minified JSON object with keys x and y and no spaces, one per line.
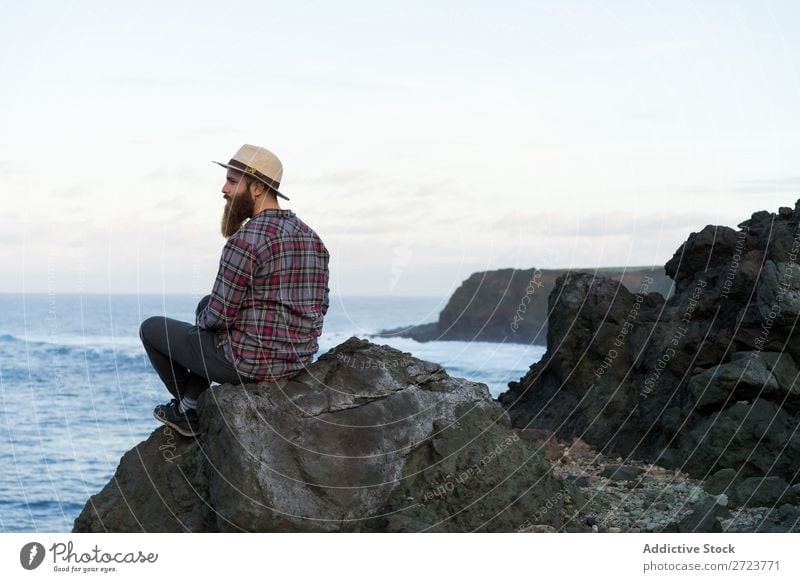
{"x":260,"y":163}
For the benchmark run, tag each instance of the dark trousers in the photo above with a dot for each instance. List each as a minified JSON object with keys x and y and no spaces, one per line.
{"x":186,"y":357}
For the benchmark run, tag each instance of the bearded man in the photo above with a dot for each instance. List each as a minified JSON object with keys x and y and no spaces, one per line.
{"x":266,"y":309}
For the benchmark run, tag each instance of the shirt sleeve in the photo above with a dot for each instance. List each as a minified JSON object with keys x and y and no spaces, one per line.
{"x":235,"y":275}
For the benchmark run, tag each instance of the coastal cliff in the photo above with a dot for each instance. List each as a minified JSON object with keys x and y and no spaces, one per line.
{"x":510,"y":305}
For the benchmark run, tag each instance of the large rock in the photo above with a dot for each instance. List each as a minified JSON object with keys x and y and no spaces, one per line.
{"x":367,"y":438}
{"x":705,"y":380}
{"x":763,"y":492}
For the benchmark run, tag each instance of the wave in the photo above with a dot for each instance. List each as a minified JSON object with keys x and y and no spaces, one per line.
{"x":122,"y":347}
{"x":74,"y":339}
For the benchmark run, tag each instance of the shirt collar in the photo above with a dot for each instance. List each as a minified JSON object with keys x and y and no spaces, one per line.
{"x":280,"y":212}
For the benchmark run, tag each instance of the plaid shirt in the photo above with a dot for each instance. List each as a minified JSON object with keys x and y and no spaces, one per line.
{"x":270,"y":295}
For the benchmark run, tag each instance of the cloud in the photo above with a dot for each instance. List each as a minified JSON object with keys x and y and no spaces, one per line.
{"x":268,"y":81}
{"x":769,"y":185}
{"x":13,"y":169}
{"x":363,"y":181}
{"x":759,"y":186}
{"x":173,"y":173}
{"x":338,"y":178}
{"x":211,"y":132}
{"x":617,"y":223}
{"x":379,"y":228}
{"x":646,"y":52}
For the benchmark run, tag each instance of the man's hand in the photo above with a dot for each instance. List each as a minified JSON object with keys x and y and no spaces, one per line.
{"x":200,"y":308}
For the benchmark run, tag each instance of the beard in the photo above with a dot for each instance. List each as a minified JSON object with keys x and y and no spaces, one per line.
{"x":237,"y":210}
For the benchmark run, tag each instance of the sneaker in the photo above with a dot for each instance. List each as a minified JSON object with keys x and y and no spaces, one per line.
{"x":187,"y":424}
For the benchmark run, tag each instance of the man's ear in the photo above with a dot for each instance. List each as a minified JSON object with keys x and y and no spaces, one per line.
{"x":257,"y":188}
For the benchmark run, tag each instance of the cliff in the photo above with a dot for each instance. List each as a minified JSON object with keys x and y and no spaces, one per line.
{"x":510,"y":305}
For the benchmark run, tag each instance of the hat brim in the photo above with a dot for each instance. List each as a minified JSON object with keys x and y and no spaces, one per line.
{"x":252,"y":176}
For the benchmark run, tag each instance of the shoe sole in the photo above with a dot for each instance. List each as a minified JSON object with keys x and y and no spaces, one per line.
{"x":178,"y":429}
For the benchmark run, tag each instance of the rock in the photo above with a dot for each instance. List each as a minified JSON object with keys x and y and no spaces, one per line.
{"x":778,"y":293}
{"x":745,"y":377}
{"x":424,"y":332}
{"x":722,"y":500}
{"x":720,"y":481}
{"x":752,"y":438}
{"x":580,"y":447}
{"x":538,"y":528}
{"x":783,"y":367}
{"x":621,"y":472}
{"x":704,"y":380}
{"x":578,"y":481}
{"x":784,"y":519}
{"x":763,"y":492}
{"x":158,"y":486}
{"x":400,"y":447}
{"x":540,"y":439}
{"x":712,"y":242}
{"x":703,"y":518}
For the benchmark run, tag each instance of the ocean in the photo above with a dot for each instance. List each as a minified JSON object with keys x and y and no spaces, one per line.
{"x":77,"y":390}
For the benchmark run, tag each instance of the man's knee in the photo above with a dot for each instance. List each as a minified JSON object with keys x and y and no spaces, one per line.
{"x":151,"y":326}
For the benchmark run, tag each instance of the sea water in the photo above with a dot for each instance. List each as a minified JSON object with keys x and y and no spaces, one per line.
{"x":77,"y":390}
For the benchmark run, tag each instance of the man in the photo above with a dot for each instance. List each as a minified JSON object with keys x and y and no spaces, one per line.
{"x":265,"y":312}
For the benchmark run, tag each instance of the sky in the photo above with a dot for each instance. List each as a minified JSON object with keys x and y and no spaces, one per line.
{"x":423,"y":141}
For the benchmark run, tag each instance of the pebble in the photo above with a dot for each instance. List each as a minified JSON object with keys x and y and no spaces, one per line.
{"x":695,"y":494}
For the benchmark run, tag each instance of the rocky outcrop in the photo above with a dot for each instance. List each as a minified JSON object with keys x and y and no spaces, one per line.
{"x":706,"y":381}
{"x":510,"y":305}
{"x":367,"y":438}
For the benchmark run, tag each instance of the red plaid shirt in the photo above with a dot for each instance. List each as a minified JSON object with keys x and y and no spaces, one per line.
{"x":270,"y":295}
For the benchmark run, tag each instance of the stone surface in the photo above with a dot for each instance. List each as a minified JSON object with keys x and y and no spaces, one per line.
{"x":342,"y":446}
{"x":541,"y":440}
{"x":763,"y":492}
{"x":621,"y":472}
{"x":705,"y":518}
